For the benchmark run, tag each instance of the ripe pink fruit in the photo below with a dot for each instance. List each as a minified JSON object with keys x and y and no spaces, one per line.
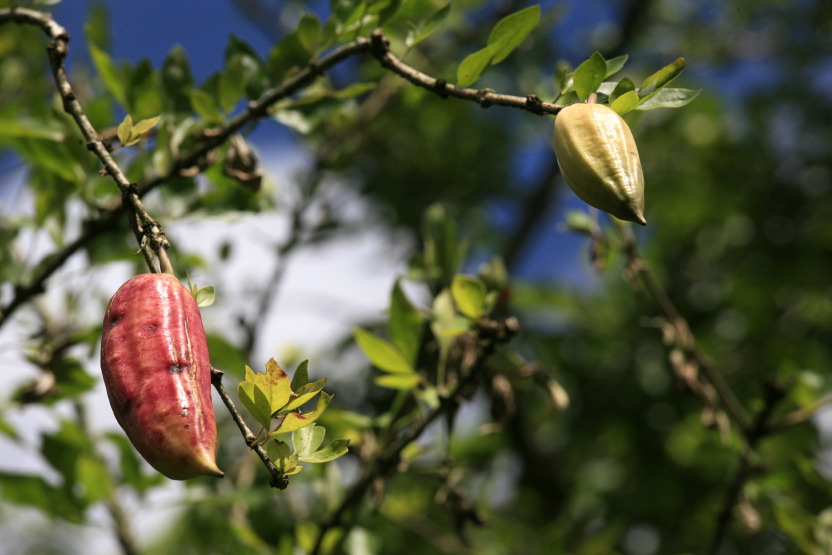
{"x":154,"y":359}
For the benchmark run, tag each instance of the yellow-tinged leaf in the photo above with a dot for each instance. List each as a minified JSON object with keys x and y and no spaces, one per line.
{"x":145,"y":125}
{"x":295,"y":421}
{"x":125,"y":129}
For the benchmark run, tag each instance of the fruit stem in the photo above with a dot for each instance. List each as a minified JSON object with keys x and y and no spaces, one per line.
{"x":592,"y":99}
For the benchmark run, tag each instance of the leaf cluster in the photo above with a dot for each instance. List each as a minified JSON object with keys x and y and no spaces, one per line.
{"x":276,"y":403}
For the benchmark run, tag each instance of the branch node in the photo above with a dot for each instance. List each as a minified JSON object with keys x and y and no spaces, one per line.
{"x":484,"y":97}
{"x":534,"y":104}
{"x":315,"y":68}
{"x":379,"y":45}
{"x":441,"y":88}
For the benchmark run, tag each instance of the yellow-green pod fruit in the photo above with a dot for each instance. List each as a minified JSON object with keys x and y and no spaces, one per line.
{"x":599,"y":160}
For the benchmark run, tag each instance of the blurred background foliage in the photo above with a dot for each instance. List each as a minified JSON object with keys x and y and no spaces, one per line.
{"x":739,"y":207}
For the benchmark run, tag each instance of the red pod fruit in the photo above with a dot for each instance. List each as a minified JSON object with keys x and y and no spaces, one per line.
{"x":154,"y":359}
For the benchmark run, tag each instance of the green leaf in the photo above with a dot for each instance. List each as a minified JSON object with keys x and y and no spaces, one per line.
{"x":425,"y":29}
{"x":660,"y":79}
{"x":64,"y":447}
{"x":406,"y":325}
{"x":307,"y":440}
{"x":34,"y":491}
{"x":512,"y":30}
{"x":389,"y":11}
{"x":445,"y":323}
{"x":398,"y":381}
{"x":309,"y":32}
{"x":468,"y":293}
{"x":71,"y":379}
{"x":301,"y":376}
{"x":31,"y":128}
{"x":125,"y":129}
{"x":473,"y":66}
{"x":589,"y":75}
{"x":335,"y":449}
{"x":205,"y":296}
{"x":304,"y":394}
{"x":286,"y":57}
{"x":232,"y":85}
{"x":243,"y":62}
{"x":130,"y":133}
{"x":144,"y":98}
{"x":205,"y":105}
{"x":505,"y":37}
{"x":93,"y":477}
{"x":381,"y":353}
{"x":622,"y":87}
{"x":669,"y":98}
{"x":97,"y":26}
{"x":288,"y":465}
{"x":176,"y":80}
{"x":277,"y":449}
{"x":626,"y":102}
{"x":615,"y":64}
{"x":295,"y":421}
{"x":111,"y":76}
{"x":130,"y":465}
{"x":347,"y":11}
{"x":255,"y":401}
{"x":145,"y":125}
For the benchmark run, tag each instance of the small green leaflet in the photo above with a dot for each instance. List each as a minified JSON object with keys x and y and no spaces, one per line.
{"x":130,"y":133}
{"x":406,"y":325}
{"x":307,"y":442}
{"x":424,"y":29}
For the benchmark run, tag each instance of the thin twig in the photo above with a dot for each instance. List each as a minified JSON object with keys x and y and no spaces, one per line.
{"x":380,"y":49}
{"x":278,"y":480}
